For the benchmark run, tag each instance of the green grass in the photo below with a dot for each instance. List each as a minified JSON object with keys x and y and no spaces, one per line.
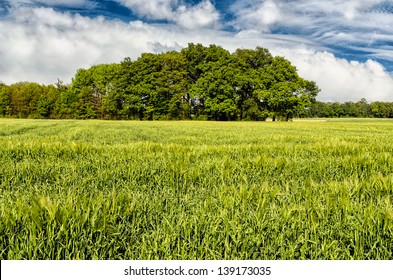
{"x":196,"y":190}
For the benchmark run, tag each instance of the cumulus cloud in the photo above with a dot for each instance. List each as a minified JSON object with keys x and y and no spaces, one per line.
{"x":340,"y":79}
{"x":152,"y":9}
{"x":198,"y":16}
{"x":203,"y":14}
{"x":41,"y":44}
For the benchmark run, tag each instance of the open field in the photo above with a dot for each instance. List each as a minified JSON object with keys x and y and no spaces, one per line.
{"x":196,"y":190}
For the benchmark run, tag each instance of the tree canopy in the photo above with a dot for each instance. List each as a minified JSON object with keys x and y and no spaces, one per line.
{"x":198,"y":82}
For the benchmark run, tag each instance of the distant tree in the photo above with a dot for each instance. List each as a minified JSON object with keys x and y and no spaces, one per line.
{"x":5,"y":100}
{"x":337,"y":110}
{"x":382,"y":109}
{"x":363,"y":108}
{"x":24,"y":99}
{"x":91,"y":87}
{"x":47,"y":102}
{"x":350,"y":109}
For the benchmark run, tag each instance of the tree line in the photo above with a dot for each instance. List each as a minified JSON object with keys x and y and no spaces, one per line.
{"x":198,"y":82}
{"x":360,"y":109}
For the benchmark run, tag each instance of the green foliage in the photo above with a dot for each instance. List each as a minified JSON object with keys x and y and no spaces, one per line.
{"x":198,"y":82}
{"x":360,"y":109}
{"x":175,"y":190}
{"x":5,"y":100}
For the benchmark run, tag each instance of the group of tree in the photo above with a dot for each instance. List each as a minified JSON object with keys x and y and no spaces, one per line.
{"x":360,"y":109}
{"x":197,"y":82}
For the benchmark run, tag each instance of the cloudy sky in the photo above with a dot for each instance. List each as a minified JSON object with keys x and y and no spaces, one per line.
{"x":346,"y":46}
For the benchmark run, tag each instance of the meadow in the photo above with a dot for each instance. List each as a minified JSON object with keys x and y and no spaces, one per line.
{"x":196,"y":190}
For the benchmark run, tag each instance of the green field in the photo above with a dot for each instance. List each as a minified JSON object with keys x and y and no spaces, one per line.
{"x":196,"y":190}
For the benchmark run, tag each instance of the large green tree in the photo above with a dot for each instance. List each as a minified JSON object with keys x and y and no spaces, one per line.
{"x":285,"y":93}
{"x":213,"y":92}
{"x":250,"y":68}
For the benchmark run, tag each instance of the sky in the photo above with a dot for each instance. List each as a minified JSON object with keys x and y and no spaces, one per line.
{"x":345,"y":46}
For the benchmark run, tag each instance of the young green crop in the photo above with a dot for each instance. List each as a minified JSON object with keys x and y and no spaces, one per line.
{"x":196,"y":190}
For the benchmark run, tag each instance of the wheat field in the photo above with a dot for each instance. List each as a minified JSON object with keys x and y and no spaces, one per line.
{"x":196,"y":190}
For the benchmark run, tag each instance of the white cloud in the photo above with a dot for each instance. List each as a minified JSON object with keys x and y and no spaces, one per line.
{"x":258,"y":16}
{"x":152,"y":9}
{"x":340,"y":79}
{"x":348,"y":9}
{"x":200,"y":15}
{"x":382,"y":53}
{"x":348,"y":24}
{"x":315,"y":18}
{"x":41,"y":44}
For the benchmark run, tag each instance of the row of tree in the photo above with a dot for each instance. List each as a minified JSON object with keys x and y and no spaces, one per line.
{"x":360,"y":109}
{"x":54,"y":101}
{"x":196,"y":83}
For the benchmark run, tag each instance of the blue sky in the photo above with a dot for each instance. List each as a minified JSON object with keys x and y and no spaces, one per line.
{"x":346,"y":46}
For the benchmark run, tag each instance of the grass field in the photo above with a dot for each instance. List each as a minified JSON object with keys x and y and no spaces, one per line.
{"x":196,"y":190}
